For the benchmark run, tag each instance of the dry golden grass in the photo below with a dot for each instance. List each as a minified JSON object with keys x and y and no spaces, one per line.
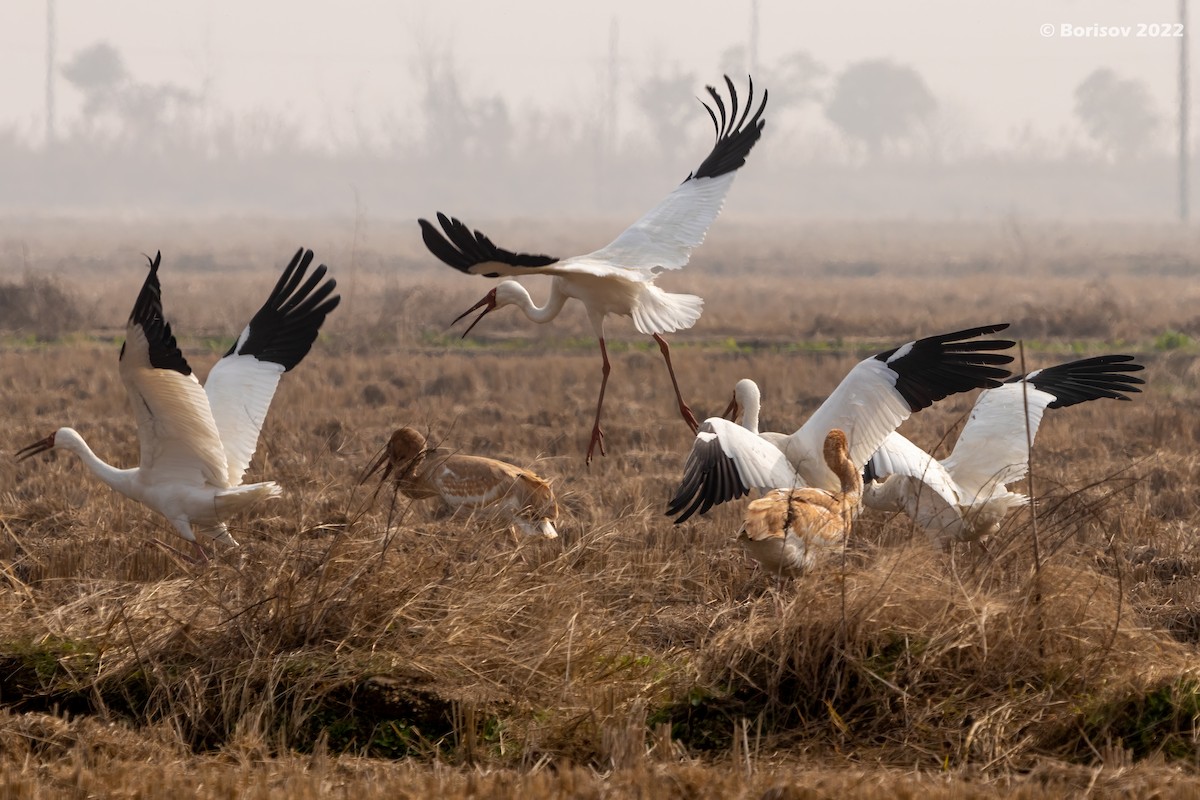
{"x":356,"y":648}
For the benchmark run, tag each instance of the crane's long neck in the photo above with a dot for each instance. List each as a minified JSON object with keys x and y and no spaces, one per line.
{"x":750,"y":401}
{"x":539,"y":314}
{"x":750,"y":416}
{"x":120,"y":479}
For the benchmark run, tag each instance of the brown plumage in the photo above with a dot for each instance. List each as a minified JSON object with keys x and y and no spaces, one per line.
{"x":789,"y":531}
{"x":470,"y":482}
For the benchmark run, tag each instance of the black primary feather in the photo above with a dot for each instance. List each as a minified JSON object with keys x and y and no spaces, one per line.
{"x":284,"y":329}
{"x":735,"y":137}
{"x":147,"y":313}
{"x":709,"y":478}
{"x":1087,"y":379}
{"x":936,"y":367}
{"x":462,"y":248}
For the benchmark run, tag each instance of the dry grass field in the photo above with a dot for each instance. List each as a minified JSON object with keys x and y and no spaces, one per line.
{"x":360,"y":644}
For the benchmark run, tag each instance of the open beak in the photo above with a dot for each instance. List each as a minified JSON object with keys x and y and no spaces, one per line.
{"x":488,"y":304}
{"x":384,"y":463}
{"x":732,"y":410}
{"x":40,"y":446}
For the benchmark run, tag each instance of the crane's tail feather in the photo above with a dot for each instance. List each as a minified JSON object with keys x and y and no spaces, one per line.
{"x":657,"y":311}
{"x":235,"y":499}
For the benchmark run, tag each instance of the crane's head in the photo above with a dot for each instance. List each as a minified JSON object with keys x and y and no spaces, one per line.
{"x":40,"y":446}
{"x":506,"y":293}
{"x":745,"y":394}
{"x":403,"y":454}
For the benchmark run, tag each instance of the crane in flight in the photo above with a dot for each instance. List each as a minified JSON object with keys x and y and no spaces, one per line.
{"x":196,"y":442}
{"x":619,"y":278}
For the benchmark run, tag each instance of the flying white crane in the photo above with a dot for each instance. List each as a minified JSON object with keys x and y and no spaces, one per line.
{"x":964,"y":496}
{"x":619,"y":278}
{"x":727,"y":460}
{"x":196,"y":443}
{"x":790,"y":531}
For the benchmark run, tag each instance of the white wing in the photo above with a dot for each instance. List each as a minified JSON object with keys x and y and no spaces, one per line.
{"x":899,"y":456}
{"x":663,"y":238}
{"x":882,"y":391}
{"x":176,"y":431}
{"x":917,"y":484}
{"x":725,"y":463}
{"x":866,"y":405}
{"x":242,"y":384}
{"x":991,"y":450}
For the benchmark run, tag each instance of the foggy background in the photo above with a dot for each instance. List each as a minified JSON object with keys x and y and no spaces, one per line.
{"x":936,"y":110}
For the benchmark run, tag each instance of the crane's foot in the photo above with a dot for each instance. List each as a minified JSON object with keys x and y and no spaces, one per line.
{"x":201,"y":556}
{"x":689,"y":418}
{"x":597,"y":439}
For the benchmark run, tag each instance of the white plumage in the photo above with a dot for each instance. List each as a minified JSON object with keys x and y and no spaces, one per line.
{"x":728,"y":460}
{"x":618,"y":278}
{"x":196,"y":442}
{"x":965,"y":495}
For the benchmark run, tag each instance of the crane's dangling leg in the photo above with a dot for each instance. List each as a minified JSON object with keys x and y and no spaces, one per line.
{"x":184,"y":526}
{"x":688,"y":416}
{"x":597,"y":434}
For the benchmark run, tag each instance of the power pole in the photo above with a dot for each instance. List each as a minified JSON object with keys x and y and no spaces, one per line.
{"x":50,"y":58}
{"x":1183,"y":113}
{"x":754,"y":37}
{"x":614,"y":36}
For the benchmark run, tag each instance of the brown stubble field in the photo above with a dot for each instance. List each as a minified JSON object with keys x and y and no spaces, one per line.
{"x":368,"y":645}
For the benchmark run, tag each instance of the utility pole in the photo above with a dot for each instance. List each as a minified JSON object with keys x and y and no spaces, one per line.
{"x":1183,"y":113}
{"x":614,"y":36}
{"x":50,"y":58}
{"x":754,"y":37}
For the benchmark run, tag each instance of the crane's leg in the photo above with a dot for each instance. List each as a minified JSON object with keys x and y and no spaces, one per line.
{"x":597,"y":434}
{"x":688,"y":416}
{"x":184,"y":526}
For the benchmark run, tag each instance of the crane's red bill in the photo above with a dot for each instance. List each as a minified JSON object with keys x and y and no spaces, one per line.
{"x":488,"y":304}
{"x":40,"y":446}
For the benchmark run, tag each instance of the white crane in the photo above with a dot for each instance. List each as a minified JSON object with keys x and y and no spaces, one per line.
{"x":619,"y":278}
{"x":727,"y":460}
{"x":964,"y":496}
{"x":196,"y":443}
{"x":790,"y":531}
{"x":462,"y":481}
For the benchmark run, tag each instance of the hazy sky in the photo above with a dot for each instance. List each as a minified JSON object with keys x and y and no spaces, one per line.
{"x":323,"y":64}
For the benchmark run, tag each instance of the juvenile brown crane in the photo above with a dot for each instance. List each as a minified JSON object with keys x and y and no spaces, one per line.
{"x":470,"y":482}
{"x":790,"y":531}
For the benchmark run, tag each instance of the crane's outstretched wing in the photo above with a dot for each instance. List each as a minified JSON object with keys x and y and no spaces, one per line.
{"x":902,"y":477}
{"x":662,"y":239}
{"x":473,"y":253}
{"x":882,"y":391}
{"x":725,"y":463}
{"x":992,"y":449}
{"x":279,"y":336}
{"x":178,"y":437}
{"x":665,"y":235}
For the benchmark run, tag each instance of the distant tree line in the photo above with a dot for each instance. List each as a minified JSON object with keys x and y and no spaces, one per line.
{"x":138,"y":142}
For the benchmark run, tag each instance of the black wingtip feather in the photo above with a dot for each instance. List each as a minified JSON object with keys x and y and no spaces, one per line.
{"x":148,"y":314}
{"x":709,"y":478}
{"x":735,"y":136}
{"x":1088,"y":379}
{"x":936,"y":367}
{"x":284,"y":329}
{"x":462,"y":248}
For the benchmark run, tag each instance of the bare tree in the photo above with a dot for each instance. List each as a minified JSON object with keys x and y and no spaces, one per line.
{"x":878,"y":102}
{"x":1118,"y":113}
{"x":668,"y":103}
